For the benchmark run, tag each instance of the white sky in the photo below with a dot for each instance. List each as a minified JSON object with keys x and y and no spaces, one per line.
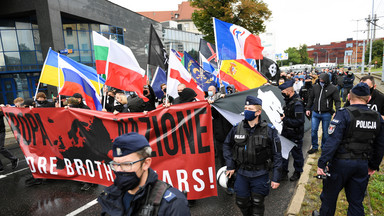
{"x":296,"y":22}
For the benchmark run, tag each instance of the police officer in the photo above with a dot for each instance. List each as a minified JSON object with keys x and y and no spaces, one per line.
{"x":252,"y":148}
{"x":293,"y":128}
{"x":136,"y":184}
{"x":353,"y":151}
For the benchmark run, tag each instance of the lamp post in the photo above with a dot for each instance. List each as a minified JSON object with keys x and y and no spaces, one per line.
{"x":317,"y":57}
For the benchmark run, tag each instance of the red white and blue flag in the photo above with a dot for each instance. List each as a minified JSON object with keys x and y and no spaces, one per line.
{"x":236,"y":42}
{"x":75,"y":81}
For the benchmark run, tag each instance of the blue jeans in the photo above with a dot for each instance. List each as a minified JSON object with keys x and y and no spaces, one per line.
{"x":341,"y":90}
{"x":325,"y":119}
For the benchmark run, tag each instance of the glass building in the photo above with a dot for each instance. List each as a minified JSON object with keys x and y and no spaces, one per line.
{"x":21,"y":58}
{"x":181,"y":40}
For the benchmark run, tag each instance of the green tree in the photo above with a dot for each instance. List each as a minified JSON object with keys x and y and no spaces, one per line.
{"x":304,"y":54}
{"x":377,"y":52}
{"x":294,"y":56}
{"x":250,"y":14}
{"x":194,"y":54}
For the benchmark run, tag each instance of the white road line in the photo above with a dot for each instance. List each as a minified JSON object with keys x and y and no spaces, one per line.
{"x":77,"y":211}
{"x":3,"y":176}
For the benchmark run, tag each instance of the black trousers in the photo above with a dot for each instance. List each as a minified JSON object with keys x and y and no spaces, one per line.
{"x":4,"y":151}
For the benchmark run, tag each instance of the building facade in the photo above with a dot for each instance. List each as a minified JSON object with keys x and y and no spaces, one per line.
{"x":349,"y":52}
{"x":28,"y":28}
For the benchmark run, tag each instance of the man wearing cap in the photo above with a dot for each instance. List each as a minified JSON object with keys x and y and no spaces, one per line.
{"x":252,"y":148}
{"x":306,"y":90}
{"x":293,"y":129}
{"x":136,"y":185}
{"x":353,"y":151}
{"x":79,"y":98}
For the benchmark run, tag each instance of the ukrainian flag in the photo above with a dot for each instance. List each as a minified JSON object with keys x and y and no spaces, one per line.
{"x":50,"y":72}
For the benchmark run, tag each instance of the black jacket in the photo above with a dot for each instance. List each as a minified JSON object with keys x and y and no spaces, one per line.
{"x":376,"y":103}
{"x":45,"y":103}
{"x":150,"y":104}
{"x":322,"y":98}
{"x":174,"y":203}
{"x":348,"y":80}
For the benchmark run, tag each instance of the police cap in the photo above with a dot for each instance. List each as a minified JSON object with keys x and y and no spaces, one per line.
{"x":251,"y":100}
{"x":286,"y":85}
{"x":361,"y":89}
{"x":128,"y":143}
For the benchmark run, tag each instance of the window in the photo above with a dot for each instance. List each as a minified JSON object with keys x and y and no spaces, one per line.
{"x":348,"y":45}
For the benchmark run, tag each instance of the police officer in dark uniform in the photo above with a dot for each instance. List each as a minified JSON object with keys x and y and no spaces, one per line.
{"x":293,"y":129}
{"x":353,"y":151}
{"x":136,"y":188}
{"x":252,"y":148}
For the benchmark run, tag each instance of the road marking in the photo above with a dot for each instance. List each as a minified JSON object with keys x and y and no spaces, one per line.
{"x":3,"y":176}
{"x":77,"y":211}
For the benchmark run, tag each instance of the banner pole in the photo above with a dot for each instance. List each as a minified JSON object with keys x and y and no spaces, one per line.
{"x":42,"y":71}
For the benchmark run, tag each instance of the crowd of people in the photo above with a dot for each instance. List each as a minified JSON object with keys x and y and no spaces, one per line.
{"x":251,"y":148}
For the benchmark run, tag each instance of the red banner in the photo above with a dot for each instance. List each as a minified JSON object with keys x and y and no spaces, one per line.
{"x":76,"y":144}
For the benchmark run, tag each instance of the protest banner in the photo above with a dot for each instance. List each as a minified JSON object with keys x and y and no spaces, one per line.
{"x":76,"y":144}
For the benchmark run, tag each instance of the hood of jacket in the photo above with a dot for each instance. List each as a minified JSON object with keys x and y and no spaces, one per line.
{"x":325,"y":77}
{"x":187,"y":95}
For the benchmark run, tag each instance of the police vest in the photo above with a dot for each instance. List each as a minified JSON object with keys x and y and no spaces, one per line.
{"x":289,"y":111}
{"x":252,"y":152}
{"x":361,"y":133}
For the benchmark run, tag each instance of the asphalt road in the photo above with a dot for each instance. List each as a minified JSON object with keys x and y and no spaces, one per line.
{"x":61,"y":197}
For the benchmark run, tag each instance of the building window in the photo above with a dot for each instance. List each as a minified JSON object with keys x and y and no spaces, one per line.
{"x":348,"y":45}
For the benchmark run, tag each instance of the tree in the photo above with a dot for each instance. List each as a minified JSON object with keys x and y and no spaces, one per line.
{"x":194,"y":54}
{"x":294,"y":56}
{"x":249,"y":14}
{"x":377,"y":52}
{"x":303,"y":54}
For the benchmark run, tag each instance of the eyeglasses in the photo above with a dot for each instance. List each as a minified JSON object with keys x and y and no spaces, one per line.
{"x":125,"y":166}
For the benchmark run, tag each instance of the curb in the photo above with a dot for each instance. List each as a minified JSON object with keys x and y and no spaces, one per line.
{"x":298,"y":197}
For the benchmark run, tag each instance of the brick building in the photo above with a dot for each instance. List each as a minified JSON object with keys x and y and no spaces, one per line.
{"x":342,"y":52}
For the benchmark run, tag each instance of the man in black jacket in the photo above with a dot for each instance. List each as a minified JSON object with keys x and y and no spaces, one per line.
{"x":348,"y":83}
{"x":131,"y":190}
{"x":321,"y":101}
{"x":3,"y":150}
{"x":376,"y":102}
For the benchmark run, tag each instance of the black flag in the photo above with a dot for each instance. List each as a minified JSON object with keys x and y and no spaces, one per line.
{"x":270,"y":69}
{"x":157,"y":56}
{"x":208,"y":50}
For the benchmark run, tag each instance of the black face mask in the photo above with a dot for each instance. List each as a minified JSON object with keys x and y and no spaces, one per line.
{"x":165,"y":90}
{"x":145,"y":92}
{"x":371,"y":90}
{"x":308,"y":83}
{"x":126,"y":180}
{"x":286,"y":97}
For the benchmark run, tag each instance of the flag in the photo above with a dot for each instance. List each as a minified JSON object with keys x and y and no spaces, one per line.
{"x":206,"y":65}
{"x":178,"y":74}
{"x":76,"y":82}
{"x":49,"y":74}
{"x":236,"y":42}
{"x":241,"y":74}
{"x":124,"y":72}
{"x":232,"y":107}
{"x":270,"y":69}
{"x":179,"y":55}
{"x":203,"y":78}
{"x":157,"y":55}
{"x":100,"y":46}
{"x":208,"y":51}
{"x":159,"y":78}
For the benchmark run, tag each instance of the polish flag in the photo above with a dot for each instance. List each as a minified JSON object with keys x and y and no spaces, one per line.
{"x":124,"y":72}
{"x":178,"y":74}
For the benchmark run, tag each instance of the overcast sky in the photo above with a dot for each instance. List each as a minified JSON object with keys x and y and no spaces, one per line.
{"x":296,"y":22}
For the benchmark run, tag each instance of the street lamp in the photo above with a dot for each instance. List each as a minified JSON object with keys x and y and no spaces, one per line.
{"x":317,"y":57}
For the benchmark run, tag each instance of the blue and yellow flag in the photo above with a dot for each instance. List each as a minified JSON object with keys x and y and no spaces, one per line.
{"x":50,"y":72}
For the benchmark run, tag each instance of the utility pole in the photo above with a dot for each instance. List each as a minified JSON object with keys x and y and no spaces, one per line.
{"x":374,"y":20}
{"x":370,"y":44}
{"x":357,"y":42}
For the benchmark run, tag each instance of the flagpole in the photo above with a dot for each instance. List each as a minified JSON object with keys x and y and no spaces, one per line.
{"x":106,"y":71}
{"x":214,"y":30}
{"x":42,"y":71}
{"x":168,"y":72}
{"x":58,"y":73}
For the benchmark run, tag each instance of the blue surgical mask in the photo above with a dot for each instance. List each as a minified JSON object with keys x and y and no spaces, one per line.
{"x":249,"y":115}
{"x":210,"y":93}
{"x":322,"y":84}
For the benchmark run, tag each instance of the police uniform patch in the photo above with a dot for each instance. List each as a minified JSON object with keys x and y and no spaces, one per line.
{"x":169,"y":196}
{"x":331,"y":128}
